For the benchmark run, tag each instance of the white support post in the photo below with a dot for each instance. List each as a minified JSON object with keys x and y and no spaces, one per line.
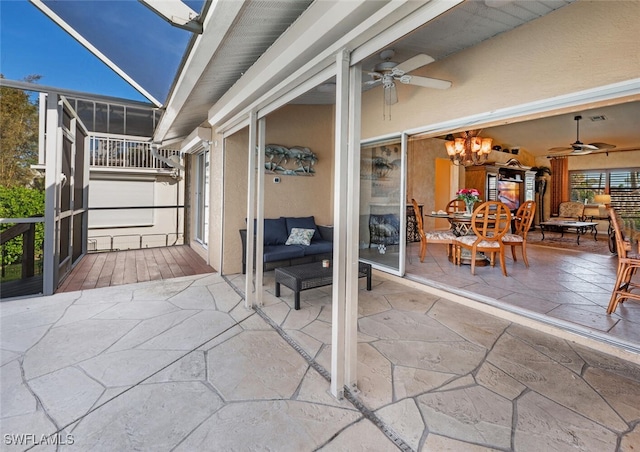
{"x":340,"y":197}
{"x":250,"y":287}
{"x":51,"y":210}
{"x":353,"y":227}
{"x":260,"y":211}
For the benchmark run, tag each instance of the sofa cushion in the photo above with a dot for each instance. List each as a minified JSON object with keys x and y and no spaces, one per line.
{"x":303,"y":223}
{"x":300,"y":236}
{"x":282,"y":252}
{"x":318,"y":247}
{"x":275,"y":231}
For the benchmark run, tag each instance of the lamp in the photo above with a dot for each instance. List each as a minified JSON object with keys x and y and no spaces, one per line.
{"x":602,"y":199}
{"x":470,"y":149}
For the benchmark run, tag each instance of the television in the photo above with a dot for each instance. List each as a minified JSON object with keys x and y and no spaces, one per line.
{"x":509,"y":193}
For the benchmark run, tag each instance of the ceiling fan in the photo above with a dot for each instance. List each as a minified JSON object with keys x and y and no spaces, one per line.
{"x":388,"y":72}
{"x":578,"y":147}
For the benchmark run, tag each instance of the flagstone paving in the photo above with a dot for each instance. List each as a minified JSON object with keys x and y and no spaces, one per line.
{"x":180,"y":364}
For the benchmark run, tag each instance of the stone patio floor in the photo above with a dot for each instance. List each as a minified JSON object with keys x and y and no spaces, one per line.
{"x":181,"y":365}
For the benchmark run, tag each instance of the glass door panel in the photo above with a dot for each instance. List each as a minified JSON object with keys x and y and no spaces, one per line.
{"x":383,"y":208}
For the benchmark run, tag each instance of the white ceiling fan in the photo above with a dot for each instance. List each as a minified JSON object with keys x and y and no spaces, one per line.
{"x":389,"y":72}
{"x":578,"y":147}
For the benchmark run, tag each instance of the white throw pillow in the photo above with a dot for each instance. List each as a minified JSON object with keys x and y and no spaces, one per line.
{"x":300,"y":236}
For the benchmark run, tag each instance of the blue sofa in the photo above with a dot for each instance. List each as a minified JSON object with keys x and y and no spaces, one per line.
{"x":277,"y":254}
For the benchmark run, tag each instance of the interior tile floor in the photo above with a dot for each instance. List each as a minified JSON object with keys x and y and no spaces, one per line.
{"x":180,"y":364}
{"x":569,"y":288}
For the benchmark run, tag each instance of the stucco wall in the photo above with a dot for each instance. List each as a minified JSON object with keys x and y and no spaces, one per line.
{"x":554,"y":55}
{"x":540,"y":60}
{"x":293,"y":125}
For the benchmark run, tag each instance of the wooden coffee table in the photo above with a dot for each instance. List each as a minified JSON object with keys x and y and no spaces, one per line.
{"x":580,"y":227}
{"x":310,"y":276}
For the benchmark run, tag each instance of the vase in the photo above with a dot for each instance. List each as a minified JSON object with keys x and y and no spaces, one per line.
{"x":469,"y":205}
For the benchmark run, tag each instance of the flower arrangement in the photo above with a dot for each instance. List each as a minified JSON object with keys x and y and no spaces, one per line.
{"x":468,"y":195}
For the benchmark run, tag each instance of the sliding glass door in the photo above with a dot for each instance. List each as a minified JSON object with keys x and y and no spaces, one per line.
{"x":383,"y":207}
{"x":202,"y":197}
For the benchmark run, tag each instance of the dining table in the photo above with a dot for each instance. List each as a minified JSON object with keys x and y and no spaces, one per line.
{"x":460,"y":224}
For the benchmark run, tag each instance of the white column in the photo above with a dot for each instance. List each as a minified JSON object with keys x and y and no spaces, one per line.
{"x":249,"y":289}
{"x":353,"y":227}
{"x":340,"y":196}
{"x":260,"y":211}
{"x":51,"y":209}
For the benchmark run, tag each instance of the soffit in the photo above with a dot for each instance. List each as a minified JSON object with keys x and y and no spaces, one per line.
{"x":468,"y":24}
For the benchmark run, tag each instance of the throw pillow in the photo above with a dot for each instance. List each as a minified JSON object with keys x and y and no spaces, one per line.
{"x":303,"y":223}
{"x":300,"y":236}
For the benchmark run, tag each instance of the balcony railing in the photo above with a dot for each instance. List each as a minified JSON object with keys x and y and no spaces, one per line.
{"x":117,"y":151}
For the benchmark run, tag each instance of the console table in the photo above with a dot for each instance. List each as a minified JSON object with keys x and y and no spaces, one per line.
{"x":580,"y":227}
{"x":310,"y":276}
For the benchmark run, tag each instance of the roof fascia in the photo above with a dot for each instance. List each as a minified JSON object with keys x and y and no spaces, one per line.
{"x":217,"y":22}
{"x":78,"y":37}
{"x":35,"y":87}
{"x":387,"y":25}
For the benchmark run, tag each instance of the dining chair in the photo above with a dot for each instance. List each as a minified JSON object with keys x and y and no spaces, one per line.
{"x":518,"y":239}
{"x":628,"y":264}
{"x":435,"y":236}
{"x":490,"y":222}
{"x":456,"y":205}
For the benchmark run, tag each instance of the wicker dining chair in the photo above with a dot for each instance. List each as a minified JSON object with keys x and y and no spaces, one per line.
{"x":490,"y":222}
{"x":628,"y":264}
{"x":523,"y":221}
{"x":435,"y":236}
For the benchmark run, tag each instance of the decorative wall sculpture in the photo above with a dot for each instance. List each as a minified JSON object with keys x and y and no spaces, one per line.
{"x":295,"y":161}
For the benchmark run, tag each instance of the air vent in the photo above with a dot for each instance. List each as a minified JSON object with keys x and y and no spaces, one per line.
{"x":598,"y":118}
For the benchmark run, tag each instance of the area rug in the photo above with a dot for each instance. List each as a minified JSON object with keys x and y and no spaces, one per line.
{"x":587,"y":244}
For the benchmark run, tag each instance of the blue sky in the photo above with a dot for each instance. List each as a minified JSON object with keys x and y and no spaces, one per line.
{"x":143,"y":44}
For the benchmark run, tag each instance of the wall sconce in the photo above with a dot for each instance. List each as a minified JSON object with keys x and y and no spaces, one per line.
{"x":470,"y":149}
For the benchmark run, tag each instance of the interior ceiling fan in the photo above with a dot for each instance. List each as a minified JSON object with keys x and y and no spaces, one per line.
{"x":389,"y":72}
{"x":578,"y":147}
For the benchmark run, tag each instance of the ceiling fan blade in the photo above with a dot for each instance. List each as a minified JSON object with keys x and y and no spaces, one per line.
{"x":559,"y":150}
{"x":425,"y":82}
{"x":602,"y":146}
{"x":579,"y":145}
{"x":390,"y":95}
{"x":581,"y":152}
{"x":372,"y":82}
{"x":412,"y":63}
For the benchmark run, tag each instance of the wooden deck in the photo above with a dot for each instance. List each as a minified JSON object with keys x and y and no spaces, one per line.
{"x":125,"y":267}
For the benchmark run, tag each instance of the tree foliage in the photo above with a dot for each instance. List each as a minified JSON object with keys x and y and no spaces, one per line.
{"x":18,"y":135}
{"x":20,"y":202}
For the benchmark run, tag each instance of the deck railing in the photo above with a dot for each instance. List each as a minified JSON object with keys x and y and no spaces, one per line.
{"x":133,"y":241}
{"x":119,"y":151}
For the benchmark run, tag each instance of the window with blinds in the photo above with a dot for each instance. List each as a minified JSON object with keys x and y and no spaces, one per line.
{"x":585,"y":185}
{"x":624,"y":188}
{"x":622,"y":184}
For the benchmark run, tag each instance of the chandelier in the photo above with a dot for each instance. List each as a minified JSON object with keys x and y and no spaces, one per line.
{"x":470,"y":149}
